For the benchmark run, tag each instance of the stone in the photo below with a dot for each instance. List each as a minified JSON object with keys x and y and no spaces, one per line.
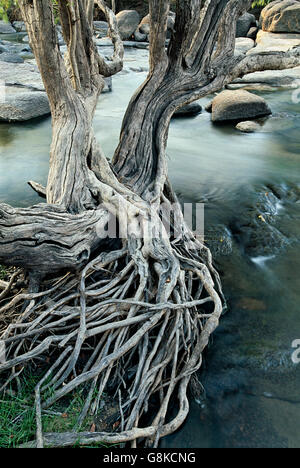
{"x":238,"y":105}
{"x":12,"y":58}
{"x":189,"y":110}
{"x":144,"y":26}
{"x":248,"y":127}
{"x":101,"y":27}
{"x":243,"y":45}
{"x":19,"y":26}
{"x":25,"y":75}
{"x":270,"y":42}
{"x":3,"y":49}
{"x":244,"y":23}
{"x":252,"y":33}
{"x":287,"y":78}
{"x":128,"y":21}
{"x":281,"y":16}
{"x":6,"y":28}
{"x":140,"y":37}
{"x":21,"y":106}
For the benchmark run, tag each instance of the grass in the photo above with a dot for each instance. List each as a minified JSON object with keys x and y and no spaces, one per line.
{"x":3,"y":273}
{"x":17,"y":415}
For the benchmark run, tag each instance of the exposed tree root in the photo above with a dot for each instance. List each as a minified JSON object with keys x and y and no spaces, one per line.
{"x":142,"y":320}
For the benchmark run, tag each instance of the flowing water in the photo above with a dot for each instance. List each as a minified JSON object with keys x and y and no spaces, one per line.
{"x":250,"y":185}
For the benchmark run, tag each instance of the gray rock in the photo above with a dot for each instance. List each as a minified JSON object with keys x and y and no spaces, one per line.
{"x":238,"y":105}
{"x":22,"y":106}
{"x":144,"y":26}
{"x":6,"y":28}
{"x":25,"y":75}
{"x":248,"y":127}
{"x":108,"y":85}
{"x":3,"y":49}
{"x":252,"y":33}
{"x":101,"y":28}
{"x":19,"y":26}
{"x":270,"y":42}
{"x":288,"y":78}
{"x":244,"y":23}
{"x":243,"y":45}
{"x":128,"y":21}
{"x":11,"y":58}
{"x":281,"y":16}
{"x":140,"y":37}
{"x":189,"y":111}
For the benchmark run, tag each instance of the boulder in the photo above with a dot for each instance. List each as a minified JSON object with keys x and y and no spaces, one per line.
{"x":189,"y":110}
{"x":11,"y":58}
{"x":6,"y":28}
{"x":248,"y":127}
{"x":21,"y":74}
{"x":144,"y":26}
{"x":140,"y":37}
{"x":243,"y":45}
{"x":281,"y":16}
{"x":22,"y":106}
{"x":101,"y":28}
{"x":128,"y":21}
{"x":252,"y":33}
{"x":238,"y":105}
{"x":270,"y":42}
{"x":288,"y":78}
{"x":244,"y":23}
{"x":19,"y":26}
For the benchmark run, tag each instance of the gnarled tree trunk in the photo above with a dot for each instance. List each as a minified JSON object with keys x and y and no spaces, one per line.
{"x":144,"y":308}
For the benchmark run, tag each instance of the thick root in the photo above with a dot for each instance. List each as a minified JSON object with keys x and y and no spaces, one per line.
{"x":142,"y":316}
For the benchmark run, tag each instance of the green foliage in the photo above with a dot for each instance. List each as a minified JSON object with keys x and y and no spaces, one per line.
{"x":261,"y":3}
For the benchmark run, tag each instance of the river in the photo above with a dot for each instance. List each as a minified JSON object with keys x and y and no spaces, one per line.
{"x":250,"y":185}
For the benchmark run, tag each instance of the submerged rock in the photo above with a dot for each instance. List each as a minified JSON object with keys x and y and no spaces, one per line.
{"x":281,"y":16}
{"x":238,"y":105}
{"x":219,"y":240}
{"x":22,"y":106}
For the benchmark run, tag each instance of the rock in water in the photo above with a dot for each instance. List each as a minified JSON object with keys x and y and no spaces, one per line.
{"x":238,"y":105}
{"x":128,"y":21}
{"x":19,"y":26}
{"x":22,"y":106}
{"x":248,"y":127}
{"x":244,"y":23}
{"x":6,"y":28}
{"x":281,"y":16}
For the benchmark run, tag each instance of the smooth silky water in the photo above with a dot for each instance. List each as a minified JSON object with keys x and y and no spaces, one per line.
{"x":252,"y":386}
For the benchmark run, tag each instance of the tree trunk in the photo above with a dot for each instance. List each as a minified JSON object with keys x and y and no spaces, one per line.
{"x":143,"y":306}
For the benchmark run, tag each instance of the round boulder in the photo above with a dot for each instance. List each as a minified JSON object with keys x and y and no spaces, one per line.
{"x":281,"y":16}
{"x":128,"y":21}
{"x":248,"y":127}
{"x":238,"y":105}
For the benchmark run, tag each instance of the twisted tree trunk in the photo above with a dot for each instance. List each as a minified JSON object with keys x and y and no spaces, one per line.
{"x":144,"y":308}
